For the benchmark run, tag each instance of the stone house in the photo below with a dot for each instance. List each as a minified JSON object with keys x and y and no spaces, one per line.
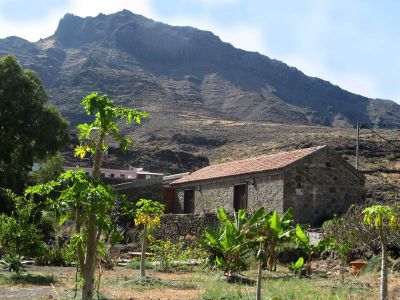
{"x":316,"y":182}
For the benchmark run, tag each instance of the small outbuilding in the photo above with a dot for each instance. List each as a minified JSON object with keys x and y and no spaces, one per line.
{"x":317,"y":182}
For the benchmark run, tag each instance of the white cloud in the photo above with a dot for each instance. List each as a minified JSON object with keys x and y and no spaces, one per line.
{"x":94,"y":7}
{"x":34,"y":30}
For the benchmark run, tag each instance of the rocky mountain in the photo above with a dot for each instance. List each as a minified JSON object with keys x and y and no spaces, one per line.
{"x":174,"y":71}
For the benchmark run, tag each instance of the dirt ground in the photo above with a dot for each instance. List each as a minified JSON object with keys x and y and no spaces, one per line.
{"x":64,"y":286}
{"x":197,"y":283}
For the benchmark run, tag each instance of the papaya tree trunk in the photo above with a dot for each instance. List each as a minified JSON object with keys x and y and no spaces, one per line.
{"x":143,"y":254}
{"x":89,"y":269}
{"x":384,"y":270}
{"x":258,"y":293}
{"x":90,"y":261}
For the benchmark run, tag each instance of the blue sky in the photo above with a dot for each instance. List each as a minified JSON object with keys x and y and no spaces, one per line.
{"x":354,"y":44}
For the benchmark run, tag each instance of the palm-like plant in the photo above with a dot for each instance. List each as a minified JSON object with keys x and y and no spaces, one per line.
{"x":12,"y":263}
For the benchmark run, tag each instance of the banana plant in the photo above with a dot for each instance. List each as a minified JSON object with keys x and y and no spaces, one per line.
{"x":264,"y":230}
{"x":297,"y":266}
{"x":280,"y":228}
{"x":225,"y":245}
{"x":303,"y":240}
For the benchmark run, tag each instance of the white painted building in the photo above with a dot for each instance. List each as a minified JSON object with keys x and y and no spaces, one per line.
{"x":132,"y":173}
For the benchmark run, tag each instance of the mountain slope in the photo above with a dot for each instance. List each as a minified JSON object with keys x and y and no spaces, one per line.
{"x":174,"y":71}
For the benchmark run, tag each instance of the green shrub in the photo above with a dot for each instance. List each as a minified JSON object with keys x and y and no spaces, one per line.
{"x":166,"y":252}
{"x":12,"y":263}
{"x":20,"y":233}
{"x":19,"y":236}
{"x":136,"y":264}
{"x":373,"y":265}
{"x":53,"y":256}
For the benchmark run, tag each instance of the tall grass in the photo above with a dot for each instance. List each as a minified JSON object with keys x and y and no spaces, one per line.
{"x":287,"y":288}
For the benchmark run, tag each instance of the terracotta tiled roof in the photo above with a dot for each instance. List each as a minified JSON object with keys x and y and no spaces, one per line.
{"x":248,"y":166}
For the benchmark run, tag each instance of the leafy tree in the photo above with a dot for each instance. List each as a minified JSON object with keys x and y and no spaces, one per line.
{"x":148,"y":214}
{"x":29,"y":129}
{"x":89,"y":202}
{"x":225,"y":245}
{"x":382,"y":217}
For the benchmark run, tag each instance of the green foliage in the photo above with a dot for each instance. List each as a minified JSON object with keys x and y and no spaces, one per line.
{"x":19,"y":233}
{"x":12,"y":262}
{"x":344,"y":237}
{"x":48,"y":170}
{"x":373,"y":265}
{"x":30,"y":130}
{"x":107,"y":115}
{"x":297,"y":266}
{"x":56,"y":256}
{"x":148,"y":212}
{"x":166,"y":252}
{"x":73,"y":189}
{"x":88,"y":202}
{"x":265,"y":230}
{"x":135,"y":265}
{"x":225,"y":246}
{"x":303,"y":241}
{"x":70,"y":191}
{"x":381,"y":216}
{"x":149,"y":283}
{"x":26,"y":278}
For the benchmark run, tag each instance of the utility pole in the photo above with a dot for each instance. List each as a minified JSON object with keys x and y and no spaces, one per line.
{"x":357,"y":143}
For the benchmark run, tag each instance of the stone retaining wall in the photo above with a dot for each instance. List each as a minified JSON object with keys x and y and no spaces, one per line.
{"x":179,"y":227}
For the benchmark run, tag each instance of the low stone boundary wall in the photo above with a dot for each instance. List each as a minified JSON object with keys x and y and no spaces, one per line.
{"x":179,"y":227}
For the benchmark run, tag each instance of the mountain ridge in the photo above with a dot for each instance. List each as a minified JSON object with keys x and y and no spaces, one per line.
{"x":179,"y":69}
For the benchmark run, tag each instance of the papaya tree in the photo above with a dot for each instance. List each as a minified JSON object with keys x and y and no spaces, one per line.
{"x":383,"y":218}
{"x":89,"y":200}
{"x":148,"y":214}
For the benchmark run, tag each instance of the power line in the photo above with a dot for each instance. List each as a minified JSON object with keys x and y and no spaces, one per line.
{"x":397,"y":147}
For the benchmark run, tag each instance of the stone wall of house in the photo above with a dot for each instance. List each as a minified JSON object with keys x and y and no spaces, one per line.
{"x":321,"y":186}
{"x":266,"y":190}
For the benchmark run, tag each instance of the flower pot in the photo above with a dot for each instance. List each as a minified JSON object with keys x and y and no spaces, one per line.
{"x":356,"y":266}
